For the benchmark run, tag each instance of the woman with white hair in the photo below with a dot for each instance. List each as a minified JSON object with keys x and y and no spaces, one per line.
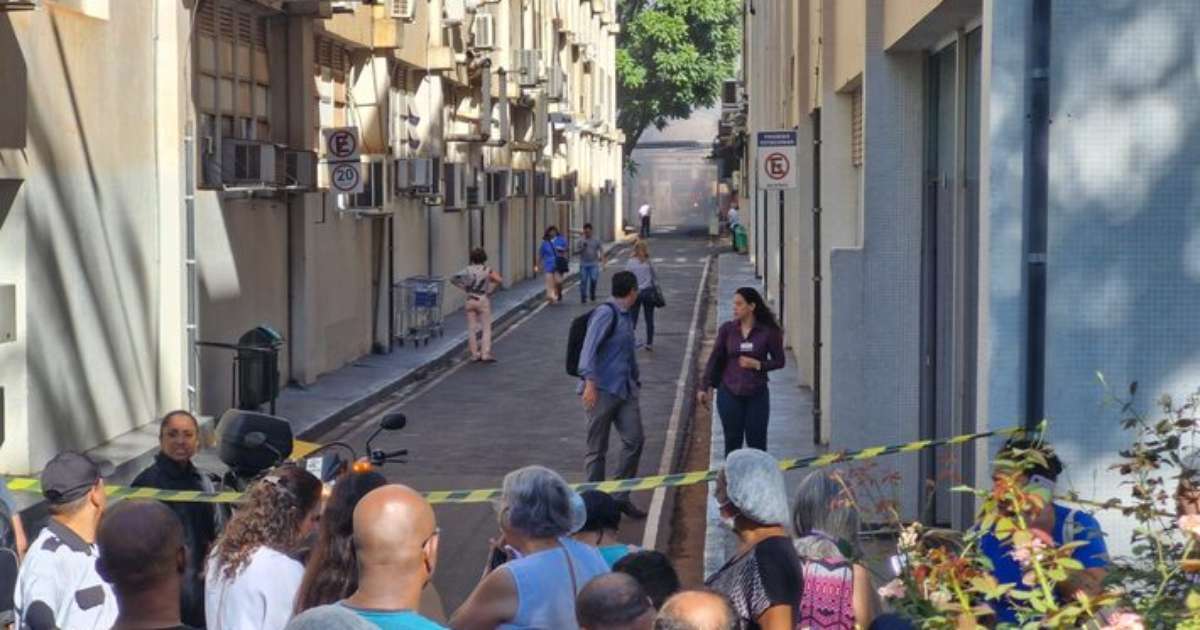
{"x":838,"y":594}
{"x":762,"y":579}
{"x":537,"y":586}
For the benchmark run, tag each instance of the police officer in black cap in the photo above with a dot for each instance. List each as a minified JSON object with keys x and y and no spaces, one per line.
{"x":58,"y":585}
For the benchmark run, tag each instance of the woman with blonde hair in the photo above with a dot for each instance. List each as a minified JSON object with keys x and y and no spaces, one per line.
{"x":649,"y":295}
{"x":252,"y":578}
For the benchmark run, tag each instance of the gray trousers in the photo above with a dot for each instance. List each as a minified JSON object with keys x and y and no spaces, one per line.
{"x":627,"y":417}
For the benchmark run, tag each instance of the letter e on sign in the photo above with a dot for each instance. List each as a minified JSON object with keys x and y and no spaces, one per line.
{"x":341,"y":144}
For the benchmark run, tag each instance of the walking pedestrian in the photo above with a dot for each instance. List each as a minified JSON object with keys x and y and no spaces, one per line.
{"x":609,"y":385}
{"x":143,"y":555}
{"x":747,"y":347}
{"x":644,"y":214}
{"x":648,"y":293}
{"x":478,"y":281}
{"x":591,"y":258}
{"x":553,"y":253}
{"x":58,"y":585}
{"x":251,"y":578}
{"x":178,"y":441}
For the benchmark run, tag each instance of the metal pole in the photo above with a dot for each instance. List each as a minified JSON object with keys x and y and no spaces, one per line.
{"x":782,"y":260}
{"x":1037,"y":172}
{"x":816,"y":214}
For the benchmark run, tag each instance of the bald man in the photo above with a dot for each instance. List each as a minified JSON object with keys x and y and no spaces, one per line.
{"x":142,"y":554}
{"x":697,"y":610}
{"x":396,"y":541}
{"x":614,"y":601}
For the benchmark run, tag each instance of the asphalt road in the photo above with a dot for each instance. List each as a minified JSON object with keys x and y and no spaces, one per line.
{"x":474,"y":423}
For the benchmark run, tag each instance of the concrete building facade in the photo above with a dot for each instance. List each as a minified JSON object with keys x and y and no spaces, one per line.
{"x":907,"y":299}
{"x":162,"y":183}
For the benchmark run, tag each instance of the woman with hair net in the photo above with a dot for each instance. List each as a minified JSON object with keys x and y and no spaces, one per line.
{"x":545,"y":568}
{"x":763,"y":578}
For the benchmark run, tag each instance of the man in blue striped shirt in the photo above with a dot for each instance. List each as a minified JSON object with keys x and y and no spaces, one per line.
{"x":609,"y":386}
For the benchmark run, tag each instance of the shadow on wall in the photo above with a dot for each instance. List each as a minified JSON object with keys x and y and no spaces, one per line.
{"x":1124,"y":253}
{"x":91,"y":359}
{"x":14,"y":77}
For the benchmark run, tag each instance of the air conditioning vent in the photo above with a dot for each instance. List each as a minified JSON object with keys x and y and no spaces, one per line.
{"x":18,"y":5}
{"x":528,"y":67}
{"x":484,"y":31}
{"x":299,"y":170}
{"x":730,"y":95}
{"x":453,"y":12}
{"x":455,"y":195}
{"x":556,"y":90}
{"x":403,"y":9}
{"x":374,"y":197}
{"x":247,"y":163}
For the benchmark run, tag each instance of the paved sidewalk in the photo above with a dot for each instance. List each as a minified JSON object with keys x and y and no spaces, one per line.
{"x":790,"y":430}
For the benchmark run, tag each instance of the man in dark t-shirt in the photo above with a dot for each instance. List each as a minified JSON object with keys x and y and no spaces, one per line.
{"x":143,"y":557}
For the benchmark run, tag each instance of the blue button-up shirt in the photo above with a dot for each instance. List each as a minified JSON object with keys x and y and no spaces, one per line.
{"x":612,"y":365}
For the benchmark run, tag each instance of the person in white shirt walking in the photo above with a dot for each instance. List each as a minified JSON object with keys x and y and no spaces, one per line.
{"x":644,"y":213}
{"x":478,"y":281}
{"x":252,"y":579}
{"x":58,"y":585}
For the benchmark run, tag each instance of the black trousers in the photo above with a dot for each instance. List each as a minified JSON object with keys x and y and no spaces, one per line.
{"x":744,"y":417}
{"x":645,"y":231}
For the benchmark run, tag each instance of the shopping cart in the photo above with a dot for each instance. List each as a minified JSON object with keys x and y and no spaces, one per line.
{"x":419,"y":309}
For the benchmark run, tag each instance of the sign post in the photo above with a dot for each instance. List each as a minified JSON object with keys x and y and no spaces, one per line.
{"x":342,"y":156}
{"x":777,"y":160}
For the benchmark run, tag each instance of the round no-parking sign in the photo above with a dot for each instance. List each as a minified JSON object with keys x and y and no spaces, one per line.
{"x":776,"y":157}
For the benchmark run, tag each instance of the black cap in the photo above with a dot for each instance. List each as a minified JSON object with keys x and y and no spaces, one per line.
{"x":603,"y":511}
{"x":69,"y":476}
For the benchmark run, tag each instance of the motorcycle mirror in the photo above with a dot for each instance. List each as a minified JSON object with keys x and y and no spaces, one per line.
{"x":393,"y":421}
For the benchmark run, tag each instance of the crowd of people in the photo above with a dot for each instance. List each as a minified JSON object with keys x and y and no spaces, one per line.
{"x":295,"y":554}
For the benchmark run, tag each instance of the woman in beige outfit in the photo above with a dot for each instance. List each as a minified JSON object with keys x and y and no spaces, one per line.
{"x":478,"y":281}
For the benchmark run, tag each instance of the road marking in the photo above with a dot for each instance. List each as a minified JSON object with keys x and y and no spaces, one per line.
{"x":654,"y":514}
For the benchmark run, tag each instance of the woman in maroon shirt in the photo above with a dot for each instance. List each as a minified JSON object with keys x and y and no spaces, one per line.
{"x":747,"y":348}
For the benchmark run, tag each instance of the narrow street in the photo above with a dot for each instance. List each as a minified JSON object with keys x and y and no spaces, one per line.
{"x":475,"y":422}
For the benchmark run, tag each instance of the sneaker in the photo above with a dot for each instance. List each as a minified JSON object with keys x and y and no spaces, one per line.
{"x":649,"y":348}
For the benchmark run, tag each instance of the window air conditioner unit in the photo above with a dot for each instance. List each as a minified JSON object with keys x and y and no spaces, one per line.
{"x":730,"y":98}
{"x":520,"y":183}
{"x":403,"y":9}
{"x":455,"y":195}
{"x":299,"y":170}
{"x":373,"y":198}
{"x":418,"y":176}
{"x":484,"y":31}
{"x":18,"y":5}
{"x":247,"y":163}
{"x":453,"y":12}
{"x":528,"y":67}
{"x":597,"y":6}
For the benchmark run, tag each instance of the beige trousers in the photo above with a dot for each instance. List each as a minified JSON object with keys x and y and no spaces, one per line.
{"x":479,"y":315}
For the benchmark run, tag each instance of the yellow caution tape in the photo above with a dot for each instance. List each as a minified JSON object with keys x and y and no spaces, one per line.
{"x":26,"y":484}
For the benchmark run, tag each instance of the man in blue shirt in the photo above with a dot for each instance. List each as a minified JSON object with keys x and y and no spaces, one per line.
{"x":1054,"y":522}
{"x":609,"y":384}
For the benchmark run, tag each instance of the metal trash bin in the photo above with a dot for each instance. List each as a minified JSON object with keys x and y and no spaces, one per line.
{"x":419,"y":309}
{"x":258,"y":368}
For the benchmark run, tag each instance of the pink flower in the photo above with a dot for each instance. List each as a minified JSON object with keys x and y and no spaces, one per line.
{"x":892,"y":590}
{"x":1124,"y":621}
{"x":1024,"y":553}
{"x":1190,"y":524}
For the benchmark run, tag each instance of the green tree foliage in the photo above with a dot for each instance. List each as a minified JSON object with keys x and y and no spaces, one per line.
{"x":672,"y":56}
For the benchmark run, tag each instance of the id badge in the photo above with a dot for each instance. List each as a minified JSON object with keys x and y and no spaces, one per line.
{"x":746,"y":346}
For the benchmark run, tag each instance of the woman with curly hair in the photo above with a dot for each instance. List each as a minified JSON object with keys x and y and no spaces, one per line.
{"x":331,"y":574}
{"x":251,"y":579}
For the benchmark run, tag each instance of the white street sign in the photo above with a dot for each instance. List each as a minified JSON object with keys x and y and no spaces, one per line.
{"x":341,"y":144}
{"x":776,"y":160}
{"x":346,"y":177}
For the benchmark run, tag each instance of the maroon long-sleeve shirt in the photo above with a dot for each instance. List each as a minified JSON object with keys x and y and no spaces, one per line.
{"x":763,"y":343}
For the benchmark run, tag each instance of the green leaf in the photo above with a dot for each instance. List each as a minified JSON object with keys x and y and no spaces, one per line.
{"x":1193,"y":600}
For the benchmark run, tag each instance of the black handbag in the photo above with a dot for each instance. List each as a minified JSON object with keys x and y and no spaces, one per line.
{"x":656,"y":295}
{"x":561,"y":264}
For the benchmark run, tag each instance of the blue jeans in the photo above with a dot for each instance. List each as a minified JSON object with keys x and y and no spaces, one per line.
{"x":589,"y":277}
{"x":744,"y":416}
{"x":643,"y":304}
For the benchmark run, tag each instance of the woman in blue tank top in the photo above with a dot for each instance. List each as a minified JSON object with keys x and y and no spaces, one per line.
{"x":536,"y":588}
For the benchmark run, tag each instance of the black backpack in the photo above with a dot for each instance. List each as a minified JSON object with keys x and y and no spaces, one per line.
{"x":579,"y":328}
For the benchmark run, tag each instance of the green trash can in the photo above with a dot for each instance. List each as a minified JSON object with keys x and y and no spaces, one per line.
{"x":740,"y":244}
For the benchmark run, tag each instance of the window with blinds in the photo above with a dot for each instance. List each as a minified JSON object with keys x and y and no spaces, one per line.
{"x":233,"y":88}
{"x":331,"y":67}
{"x":856,"y":127}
